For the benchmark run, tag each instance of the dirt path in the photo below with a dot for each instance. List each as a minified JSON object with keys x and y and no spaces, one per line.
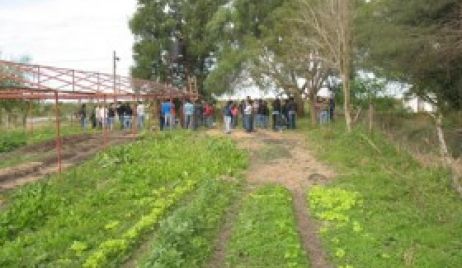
{"x":282,"y":158}
{"x":75,"y":150}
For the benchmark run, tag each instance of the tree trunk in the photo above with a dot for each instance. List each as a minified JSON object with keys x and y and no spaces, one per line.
{"x":313,"y":114}
{"x":346,"y":100}
{"x":447,"y":159}
{"x":345,"y":54}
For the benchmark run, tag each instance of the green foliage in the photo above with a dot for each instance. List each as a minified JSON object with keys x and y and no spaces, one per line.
{"x":399,"y":213}
{"x":185,"y":239}
{"x":332,"y":206}
{"x":13,"y":139}
{"x":265,"y":234}
{"x":154,"y":25}
{"x":109,"y":250}
{"x":416,"y":44}
{"x":105,"y":205}
{"x":242,"y":32}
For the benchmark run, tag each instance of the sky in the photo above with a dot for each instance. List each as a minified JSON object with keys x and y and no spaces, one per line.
{"x":76,"y":34}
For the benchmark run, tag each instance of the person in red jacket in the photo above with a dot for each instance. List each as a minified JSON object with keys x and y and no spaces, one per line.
{"x":208,"y":114}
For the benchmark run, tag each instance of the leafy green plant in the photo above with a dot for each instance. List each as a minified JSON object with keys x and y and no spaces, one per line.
{"x":185,"y":239}
{"x":48,"y":222}
{"x":332,"y":206}
{"x":265,"y":234}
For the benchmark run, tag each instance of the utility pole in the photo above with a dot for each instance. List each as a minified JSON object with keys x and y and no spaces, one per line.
{"x":115,"y":59}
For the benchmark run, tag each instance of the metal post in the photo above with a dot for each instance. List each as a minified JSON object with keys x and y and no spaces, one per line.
{"x":38,"y":76}
{"x":31,"y":118}
{"x":115,"y":59}
{"x":105,"y":125}
{"x":58,"y":132}
{"x":135,"y":118}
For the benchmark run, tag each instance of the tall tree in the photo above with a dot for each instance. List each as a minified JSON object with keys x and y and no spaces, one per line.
{"x":330,"y":23}
{"x":170,"y":41}
{"x":243,"y":32}
{"x":419,"y":43}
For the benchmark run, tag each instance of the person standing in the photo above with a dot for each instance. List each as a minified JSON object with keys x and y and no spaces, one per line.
{"x":110,"y":116}
{"x":235,"y":114}
{"x":265,"y":115}
{"x":198,"y":113}
{"x":127,"y":116}
{"x":255,"y":107}
{"x":173,"y":113}
{"x":161,"y":115}
{"x":208,"y":115}
{"x":93,"y":118}
{"x":140,"y":114}
{"x":188,"y":110}
{"x":120,"y":114}
{"x":166,"y":112}
{"x":103,"y":116}
{"x":248,"y":116}
{"x":83,"y":115}
{"x":98,"y":116}
{"x":227,"y":116}
{"x":241,"y":111}
{"x":291,"y":113}
{"x":285,"y":114}
{"x":276,"y":113}
{"x":331,"y":105}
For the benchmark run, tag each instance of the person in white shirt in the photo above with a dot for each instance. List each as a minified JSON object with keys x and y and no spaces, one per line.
{"x":98,"y":115}
{"x":103,"y":116}
{"x":248,"y":116}
{"x":140,"y":114}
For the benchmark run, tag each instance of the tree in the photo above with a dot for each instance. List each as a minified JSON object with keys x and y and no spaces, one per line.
{"x":170,"y":41}
{"x":242,"y":31}
{"x":419,"y":43}
{"x":254,"y":42}
{"x":331,"y":26}
{"x":9,"y":106}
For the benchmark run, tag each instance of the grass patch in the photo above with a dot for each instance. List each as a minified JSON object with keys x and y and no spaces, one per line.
{"x":14,"y":139}
{"x":387,"y":210}
{"x":265,"y":234}
{"x":62,"y":221}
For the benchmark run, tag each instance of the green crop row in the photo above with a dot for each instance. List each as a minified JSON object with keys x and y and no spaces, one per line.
{"x":61,"y":221}
{"x":265,"y":234}
{"x":117,"y":247}
{"x":185,"y":239}
{"x":332,"y":207}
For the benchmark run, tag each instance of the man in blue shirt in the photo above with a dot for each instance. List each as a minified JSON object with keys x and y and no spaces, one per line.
{"x":166,"y":110}
{"x":188,"y":111}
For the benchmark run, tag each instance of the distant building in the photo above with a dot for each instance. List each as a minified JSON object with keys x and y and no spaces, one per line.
{"x":417,"y":105}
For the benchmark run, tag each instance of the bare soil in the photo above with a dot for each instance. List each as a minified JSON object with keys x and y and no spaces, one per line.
{"x":75,"y":149}
{"x":284,"y":159}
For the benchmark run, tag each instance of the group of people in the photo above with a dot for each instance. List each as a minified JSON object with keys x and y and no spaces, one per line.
{"x":256,"y":114}
{"x":188,"y":114}
{"x":104,"y":116}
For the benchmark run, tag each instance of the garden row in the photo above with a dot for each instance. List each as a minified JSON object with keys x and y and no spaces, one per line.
{"x":96,"y":214}
{"x":264,"y":235}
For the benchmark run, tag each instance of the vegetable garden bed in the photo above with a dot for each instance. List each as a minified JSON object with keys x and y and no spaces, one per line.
{"x":95,"y":214}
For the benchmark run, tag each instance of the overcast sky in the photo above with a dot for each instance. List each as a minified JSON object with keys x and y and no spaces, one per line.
{"x":77,"y":34}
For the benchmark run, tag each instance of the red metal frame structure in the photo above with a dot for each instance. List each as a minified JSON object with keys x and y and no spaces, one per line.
{"x":35,"y":82}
